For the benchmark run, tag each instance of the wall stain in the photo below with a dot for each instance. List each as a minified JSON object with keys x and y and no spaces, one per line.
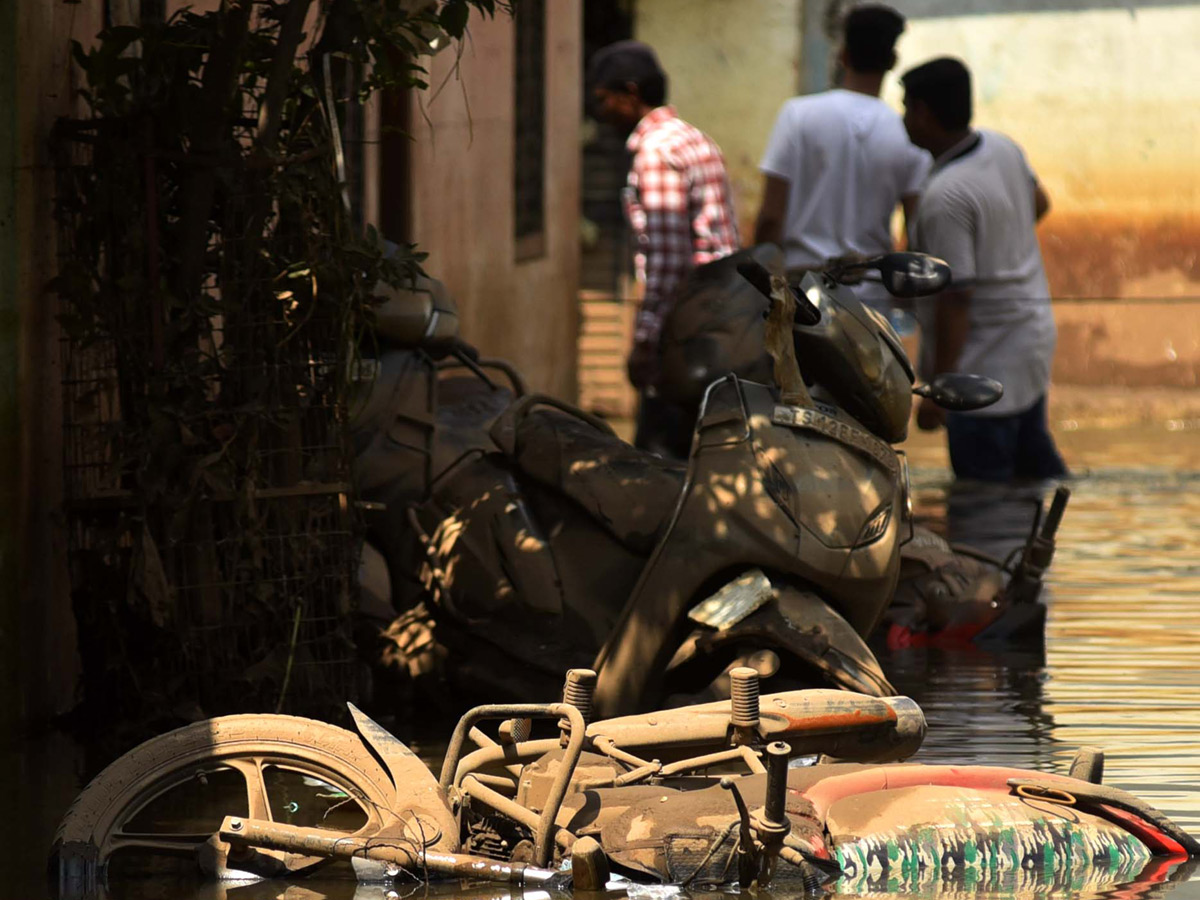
{"x":1102,"y":254}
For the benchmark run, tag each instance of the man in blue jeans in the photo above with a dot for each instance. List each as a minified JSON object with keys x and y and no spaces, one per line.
{"x":977,"y":211}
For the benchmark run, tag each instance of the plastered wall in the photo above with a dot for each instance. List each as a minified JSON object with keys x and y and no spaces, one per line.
{"x":462,"y":197}
{"x":731,"y":64}
{"x":1106,"y":102}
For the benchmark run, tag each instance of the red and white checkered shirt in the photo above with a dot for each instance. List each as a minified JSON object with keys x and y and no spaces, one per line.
{"x":679,"y":207}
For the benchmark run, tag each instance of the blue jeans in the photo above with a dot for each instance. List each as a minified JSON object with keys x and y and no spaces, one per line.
{"x":1004,"y":448}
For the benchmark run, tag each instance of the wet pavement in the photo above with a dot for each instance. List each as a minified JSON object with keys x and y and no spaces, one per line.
{"x":1118,"y":671}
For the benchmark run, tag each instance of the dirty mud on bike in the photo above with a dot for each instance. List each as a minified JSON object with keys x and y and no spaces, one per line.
{"x":790,"y":790}
{"x":518,"y":536}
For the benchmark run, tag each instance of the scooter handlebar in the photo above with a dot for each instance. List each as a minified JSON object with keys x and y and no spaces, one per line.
{"x":758,"y":275}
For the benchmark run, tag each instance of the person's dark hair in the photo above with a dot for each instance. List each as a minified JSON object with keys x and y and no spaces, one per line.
{"x":870,"y":37}
{"x":944,"y":85}
{"x":615,"y":66}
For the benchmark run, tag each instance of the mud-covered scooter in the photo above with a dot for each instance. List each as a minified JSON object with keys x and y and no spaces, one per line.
{"x":529,"y":539}
{"x":947,"y":594}
{"x":791,"y":789}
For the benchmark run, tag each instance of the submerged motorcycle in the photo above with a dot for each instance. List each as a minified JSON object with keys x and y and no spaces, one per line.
{"x":520,"y":534}
{"x":791,"y":789}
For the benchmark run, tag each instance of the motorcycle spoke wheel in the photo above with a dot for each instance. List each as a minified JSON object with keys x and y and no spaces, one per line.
{"x":154,"y":812}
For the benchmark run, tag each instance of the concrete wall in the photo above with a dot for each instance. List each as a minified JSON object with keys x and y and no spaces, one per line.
{"x":1106,"y":102}
{"x":731,"y":64}
{"x":1105,"y":99}
{"x":38,"y":666}
{"x":462,"y":197}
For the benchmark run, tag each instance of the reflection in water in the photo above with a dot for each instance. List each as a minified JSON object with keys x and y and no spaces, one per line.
{"x":1118,"y":667}
{"x":1156,"y":880}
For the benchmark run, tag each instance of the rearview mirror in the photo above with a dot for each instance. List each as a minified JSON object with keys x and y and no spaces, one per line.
{"x":912,"y":274}
{"x":961,"y":392}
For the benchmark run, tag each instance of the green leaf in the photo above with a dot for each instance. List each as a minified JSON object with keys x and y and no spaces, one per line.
{"x":453,"y":17}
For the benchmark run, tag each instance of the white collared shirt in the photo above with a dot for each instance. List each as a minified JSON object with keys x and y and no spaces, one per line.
{"x":977,"y":213}
{"x":848,"y":162}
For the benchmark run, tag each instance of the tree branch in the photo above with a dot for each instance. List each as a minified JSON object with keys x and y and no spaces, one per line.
{"x":291,"y":31}
{"x":220,"y":79}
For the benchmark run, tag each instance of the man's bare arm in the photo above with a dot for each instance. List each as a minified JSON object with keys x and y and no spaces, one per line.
{"x":768,"y":229}
{"x":950,"y":328}
{"x":909,"y":204}
{"x":1041,"y":201}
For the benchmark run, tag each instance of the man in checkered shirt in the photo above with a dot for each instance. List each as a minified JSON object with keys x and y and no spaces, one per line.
{"x":677,"y":200}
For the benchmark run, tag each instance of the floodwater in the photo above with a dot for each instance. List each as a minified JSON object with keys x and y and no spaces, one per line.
{"x":1119,"y":667}
{"x":1118,"y":670}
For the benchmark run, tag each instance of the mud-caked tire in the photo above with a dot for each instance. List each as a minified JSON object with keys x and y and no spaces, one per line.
{"x":83,"y":842}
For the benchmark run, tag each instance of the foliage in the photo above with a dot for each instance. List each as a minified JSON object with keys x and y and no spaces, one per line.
{"x":213,"y":293}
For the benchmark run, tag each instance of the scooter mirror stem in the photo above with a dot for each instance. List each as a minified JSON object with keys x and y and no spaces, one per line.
{"x":782,"y":347}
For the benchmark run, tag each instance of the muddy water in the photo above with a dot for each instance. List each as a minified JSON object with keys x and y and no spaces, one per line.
{"x":1118,"y":670}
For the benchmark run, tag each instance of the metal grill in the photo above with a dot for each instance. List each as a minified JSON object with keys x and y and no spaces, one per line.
{"x":221,"y":575}
{"x":529,"y":160}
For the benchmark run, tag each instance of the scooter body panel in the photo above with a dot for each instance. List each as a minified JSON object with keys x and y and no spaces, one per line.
{"x":524,"y":584}
{"x":793,"y":501}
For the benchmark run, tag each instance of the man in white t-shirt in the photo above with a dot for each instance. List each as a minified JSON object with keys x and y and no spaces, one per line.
{"x":838,"y":163}
{"x":978,"y":212}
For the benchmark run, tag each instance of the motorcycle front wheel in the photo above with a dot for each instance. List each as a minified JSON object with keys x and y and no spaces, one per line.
{"x":152,"y":815}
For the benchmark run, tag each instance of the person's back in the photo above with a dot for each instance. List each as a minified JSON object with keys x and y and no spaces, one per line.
{"x":838,"y":163}
{"x":978,"y":210}
{"x":848,"y":163}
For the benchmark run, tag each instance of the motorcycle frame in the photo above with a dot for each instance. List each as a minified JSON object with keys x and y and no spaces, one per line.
{"x":702,"y":735}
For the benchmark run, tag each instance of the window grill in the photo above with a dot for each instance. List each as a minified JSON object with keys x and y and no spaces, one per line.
{"x":529,"y":158}
{"x":240,"y":599}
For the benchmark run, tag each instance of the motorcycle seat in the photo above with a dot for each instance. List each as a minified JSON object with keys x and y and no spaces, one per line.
{"x":630,"y":493}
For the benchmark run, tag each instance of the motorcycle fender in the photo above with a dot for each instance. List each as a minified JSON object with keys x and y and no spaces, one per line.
{"x":802,"y":624}
{"x":422,"y":813}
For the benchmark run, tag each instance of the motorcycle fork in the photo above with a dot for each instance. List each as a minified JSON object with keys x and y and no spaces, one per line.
{"x":393,"y":851}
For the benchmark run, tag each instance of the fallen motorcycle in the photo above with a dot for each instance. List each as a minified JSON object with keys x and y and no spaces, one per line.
{"x":519,"y":534}
{"x":796,"y":789}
